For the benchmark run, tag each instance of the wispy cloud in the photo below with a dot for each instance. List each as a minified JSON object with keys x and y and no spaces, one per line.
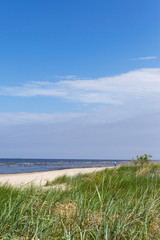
{"x":108,"y":90}
{"x":66,"y":77}
{"x":116,"y":98}
{"x":13,"y":118}
{"x":145,"y":58}
{"x":33,"y":89}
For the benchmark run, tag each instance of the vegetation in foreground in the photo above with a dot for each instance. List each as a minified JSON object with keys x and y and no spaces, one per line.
{"x":122,"y":203}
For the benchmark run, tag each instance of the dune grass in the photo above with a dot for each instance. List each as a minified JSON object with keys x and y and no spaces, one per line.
{"x":120,"y":203}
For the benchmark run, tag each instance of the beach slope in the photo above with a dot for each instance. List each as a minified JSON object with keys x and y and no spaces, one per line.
{"x":40,"y":178}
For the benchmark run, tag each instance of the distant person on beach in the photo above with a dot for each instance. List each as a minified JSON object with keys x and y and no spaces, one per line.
{"x":115,"y":164}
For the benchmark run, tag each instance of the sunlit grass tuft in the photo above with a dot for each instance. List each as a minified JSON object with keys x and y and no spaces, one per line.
{"x":120,"y":203}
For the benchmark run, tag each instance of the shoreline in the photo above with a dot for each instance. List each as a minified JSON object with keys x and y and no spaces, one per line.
{"x":40,"y":178}
{"x":53,"y":170}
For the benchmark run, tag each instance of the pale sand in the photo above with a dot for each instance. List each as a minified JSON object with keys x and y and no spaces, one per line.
{"x":40,"y":178}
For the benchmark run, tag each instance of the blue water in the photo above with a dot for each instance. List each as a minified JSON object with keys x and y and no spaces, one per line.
{"x":37,"y":165}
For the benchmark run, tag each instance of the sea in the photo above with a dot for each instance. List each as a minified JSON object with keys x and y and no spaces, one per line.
{"x":11,"y":166}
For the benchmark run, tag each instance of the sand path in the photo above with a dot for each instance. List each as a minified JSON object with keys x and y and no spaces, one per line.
{"x":40,"y":178}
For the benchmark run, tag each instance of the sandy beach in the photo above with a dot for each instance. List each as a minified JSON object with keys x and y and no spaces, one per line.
{"x":40,"y":178}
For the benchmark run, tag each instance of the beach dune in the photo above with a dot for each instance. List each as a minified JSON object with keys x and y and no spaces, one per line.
{"x":40,"y":178}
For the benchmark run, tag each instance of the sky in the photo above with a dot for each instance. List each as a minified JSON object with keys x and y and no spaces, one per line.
{"x":79,"y":79}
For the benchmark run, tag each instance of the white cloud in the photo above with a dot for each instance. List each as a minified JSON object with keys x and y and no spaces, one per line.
{"x":108,"y":90}
{"x":145,"y":58}
{"x":11,"y":118}
{"x":33,"y":89}
{"x":131,"y":101}
{"x":66,"y":77}
{"x":119,"y":97}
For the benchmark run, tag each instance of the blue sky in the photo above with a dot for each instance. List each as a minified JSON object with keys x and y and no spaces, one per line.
{"x":79,"y":66}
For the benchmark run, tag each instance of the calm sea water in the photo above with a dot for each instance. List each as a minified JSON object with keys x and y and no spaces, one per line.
{"x":37,"y":165}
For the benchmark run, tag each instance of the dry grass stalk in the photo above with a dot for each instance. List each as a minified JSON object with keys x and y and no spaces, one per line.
{"x":143,"y":171}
